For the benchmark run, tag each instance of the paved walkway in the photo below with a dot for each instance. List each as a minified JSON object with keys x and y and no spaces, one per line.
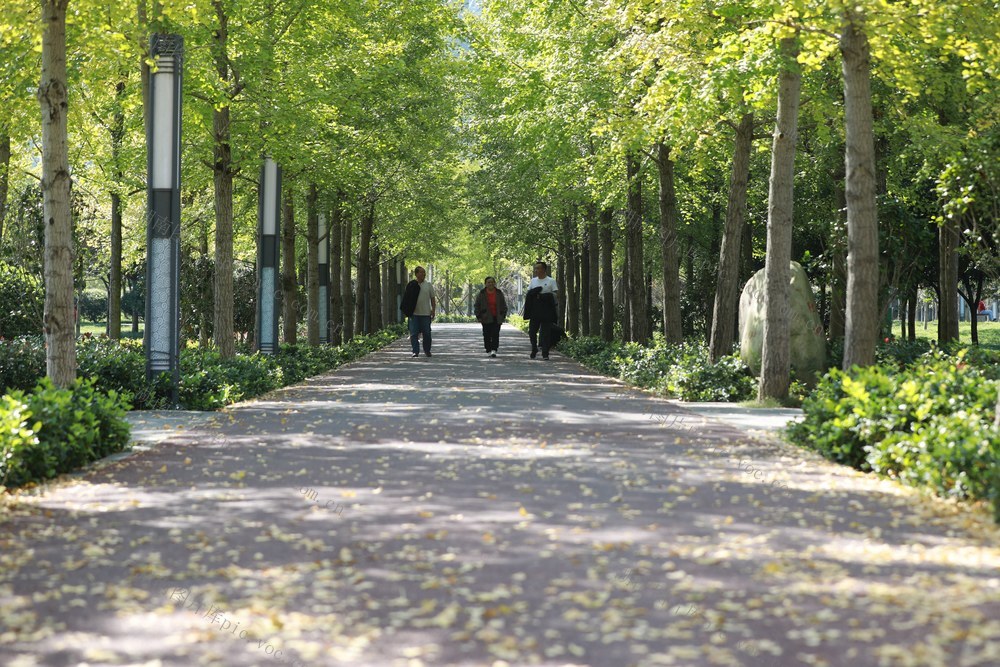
{"x":461,"y":510}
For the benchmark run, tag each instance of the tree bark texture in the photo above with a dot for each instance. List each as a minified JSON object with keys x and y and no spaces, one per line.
{"x":375,"y":287}
{"x":289,"y":288}
{"x":775,"y":355}
{"x":572,"y":279}
{"x":562,"y":277}
{"x":347,"y":290}
{"x":584,"y":274}
{"x":223,"y":182}
{"x":336,"y":296}
{"x":911,"y":316}
{"x":727,"y":290}
{"x":607,"y":274}
{"x":312,"y":266}
{"x":53,"y":98}
{"x":948,"y":237}
{"x":4,"y":175}
{"x":861,"y":324}
{"x":672,"y":330}
{"x":115,"y":269}
{"x":636,"y":295}
{"x":362,"y":324}
{"x":594,"y":277}
{"x":838,"y":245}
{"x":386,"y":283}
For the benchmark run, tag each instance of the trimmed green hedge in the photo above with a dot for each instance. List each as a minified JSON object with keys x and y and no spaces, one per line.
{"x":207,"y":381}
{"x":47,"y":431}
{"x":454,"y":319}
{"x":930,"y":424}
{"x":681,"y":371}
{"x":50,"y":431}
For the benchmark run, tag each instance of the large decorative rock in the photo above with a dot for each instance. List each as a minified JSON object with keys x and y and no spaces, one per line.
{"x":808,"y":344}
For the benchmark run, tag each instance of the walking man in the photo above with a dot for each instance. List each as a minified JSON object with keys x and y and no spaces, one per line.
{"x":419,"y":305}
{"x":541,"y":309}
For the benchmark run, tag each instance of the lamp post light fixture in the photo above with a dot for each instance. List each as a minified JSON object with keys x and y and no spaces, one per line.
{"x":325,"y":335}
{"x":163,"y":210}
{"x":268,"y":211}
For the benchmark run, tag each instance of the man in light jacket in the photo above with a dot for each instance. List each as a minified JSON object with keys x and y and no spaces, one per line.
{"x":418,"y":305}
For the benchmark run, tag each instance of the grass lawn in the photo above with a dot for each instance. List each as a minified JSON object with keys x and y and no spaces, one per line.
{"x":99,"y":328}
{"x":989,"y":332}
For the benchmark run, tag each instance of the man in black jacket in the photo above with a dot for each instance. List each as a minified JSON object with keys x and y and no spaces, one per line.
{"x":418,"y":305}
{"x":541,"y":309}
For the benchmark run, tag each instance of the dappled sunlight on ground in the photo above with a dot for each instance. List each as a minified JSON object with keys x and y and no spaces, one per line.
{"x":459,"y":510}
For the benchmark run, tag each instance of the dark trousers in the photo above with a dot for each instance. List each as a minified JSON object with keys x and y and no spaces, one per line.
{"x":491,"y":336}
{"x":420,"y":324}
{"x":544,"y":327}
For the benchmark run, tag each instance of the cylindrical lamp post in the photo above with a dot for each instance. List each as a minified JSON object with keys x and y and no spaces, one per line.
{"x":324,"y":283}
{"x":268,"y":212}
{"x":163,"y":197}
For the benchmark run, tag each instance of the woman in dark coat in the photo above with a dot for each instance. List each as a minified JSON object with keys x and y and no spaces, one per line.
{"x":491,"y":311}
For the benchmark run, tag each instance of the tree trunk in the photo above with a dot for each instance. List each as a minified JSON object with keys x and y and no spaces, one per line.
{"x":362,"y":324}
{"x":336,"y":285}
{"x":972,"y":293}
{"x":911,"y":316}
{"x":347,"y":291}
{"x":223,"y":181}
{"x":607,"y":275}
{"x":562,"y":277}
{"x":4,"y":175}
{"x":672,"y":331}
{"x":948,"y":236}
{"x":60,"y":343}
{"x":579,"y":253}
{"x":386,"y":283}
{"x":584,"y":275}
{"x":115,"y":272}
{"x":204,"y":328}
{"x":572,"y":296}
{"x":649,"y":301}
{"x":312,"y":266}
{"x":838,"y":279}
{"x":633,"y":249}
{"x":691,"y":285}
{"x":289,"y":289}
{"x":727,"y":290}
{"x":862,"y":318}
{"x":973,"y":323}
{"x":594,"y":277}
{"x":775,"y":356}
{"x":375,"y":288}
{"x":625,"y":300}
{"x":114,"y":328}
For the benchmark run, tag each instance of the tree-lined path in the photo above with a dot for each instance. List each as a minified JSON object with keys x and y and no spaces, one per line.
{"x":461,"y":510}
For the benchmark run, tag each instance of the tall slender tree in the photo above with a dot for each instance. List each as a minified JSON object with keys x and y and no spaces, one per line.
{"x":775,"y":356}
{"x":312,"y":265}
{"x":672,"y":330}
{"x":862,"y":317}
{"x":727,"y":287}
{"x":289,"y":282}
{"x":53,"y":97}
